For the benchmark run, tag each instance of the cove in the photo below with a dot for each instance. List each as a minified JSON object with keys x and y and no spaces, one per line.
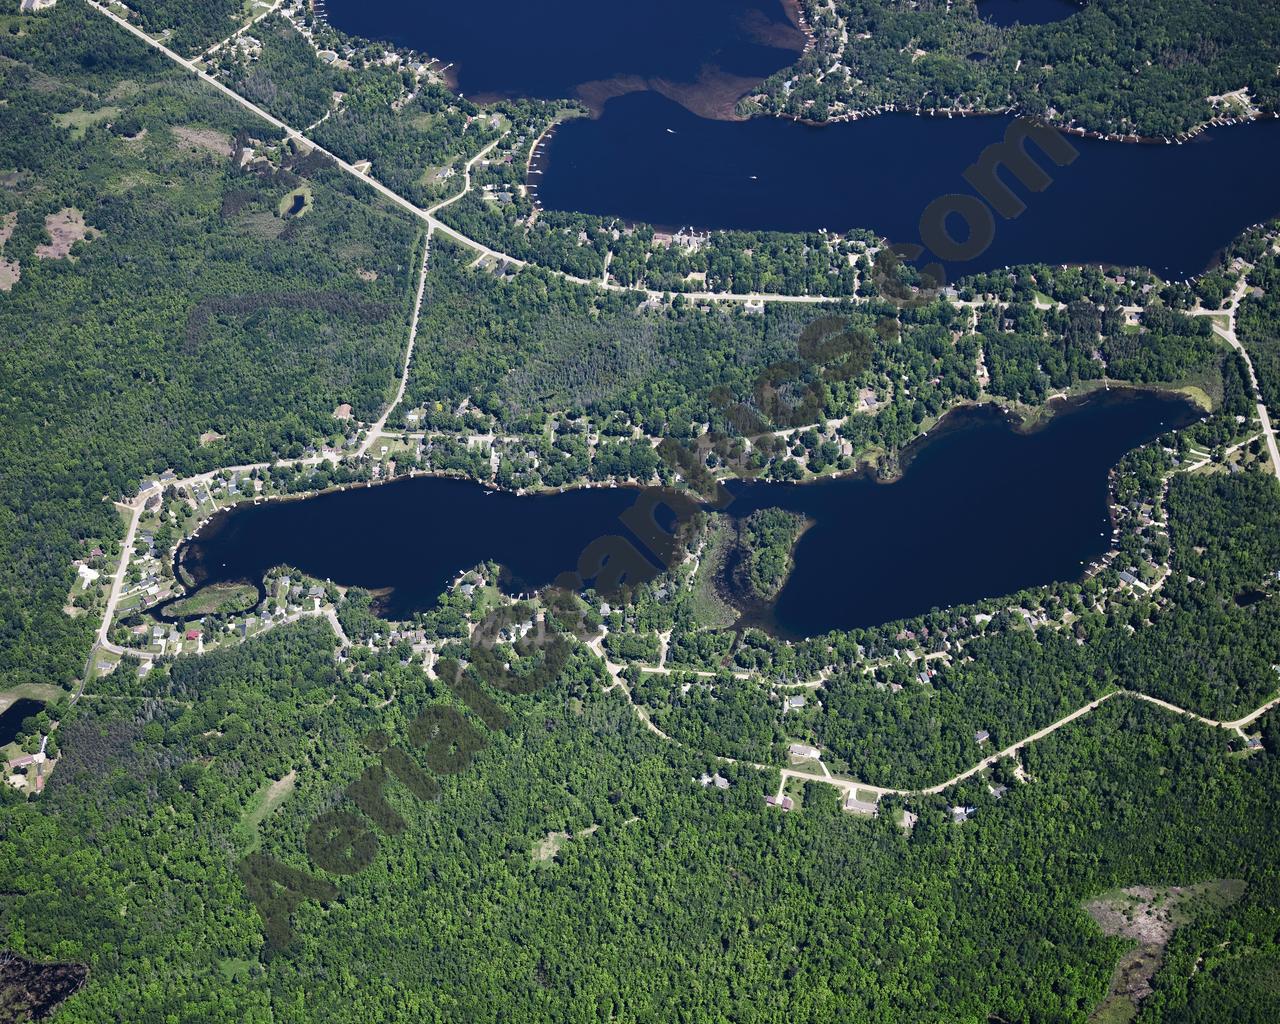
{"x":1167,"y":207}
{"x":587,"y":48}
{"x":980,"y":510}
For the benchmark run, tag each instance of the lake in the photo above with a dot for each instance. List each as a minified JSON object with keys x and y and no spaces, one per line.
{"x":11,"y":720}
{"x":1167,"y":207}
{"x":708,"y":51}
{"x":663,"y":77}
{"x":981,"y":510}
{"x":1026,"y":12}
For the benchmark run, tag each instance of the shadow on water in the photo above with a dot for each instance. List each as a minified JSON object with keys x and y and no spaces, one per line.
{"x":981,"y":509}
{"x":706,"y":54}
{"x":11,"y":720}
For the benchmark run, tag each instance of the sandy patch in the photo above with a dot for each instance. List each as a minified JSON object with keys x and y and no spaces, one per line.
{"x":65,"y":228}
{"x":208,"y":139}
{"x":210,"y":437}
{"x":342,"y":412}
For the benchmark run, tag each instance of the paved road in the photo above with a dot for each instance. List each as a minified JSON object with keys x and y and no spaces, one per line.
{"x":126,"y":552}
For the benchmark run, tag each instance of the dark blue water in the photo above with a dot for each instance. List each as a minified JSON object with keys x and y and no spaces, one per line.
{"x":11,"y":720}
{"x":553,"y":48}
{"x":1026,"y":12}
{"x":982,"y":510}
{"x":1170,"y":208}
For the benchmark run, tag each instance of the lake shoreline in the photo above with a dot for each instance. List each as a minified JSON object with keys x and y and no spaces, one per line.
{"x":745,"y":494}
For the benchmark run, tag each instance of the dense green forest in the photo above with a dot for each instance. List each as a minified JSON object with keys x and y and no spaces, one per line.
{"x":1258,"y":326}
{"x":512,"y":842}
{"x":191,"y":27}
{"x":668,"y":895}
{"x":1140,"y":67}
{"x":766,"y":539}
{"x":194,"y":306}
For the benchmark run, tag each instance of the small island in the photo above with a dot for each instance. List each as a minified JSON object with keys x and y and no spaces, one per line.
{"x":758,"y":567}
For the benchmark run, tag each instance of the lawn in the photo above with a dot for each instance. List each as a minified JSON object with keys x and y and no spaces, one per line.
{"x":79,"y":119}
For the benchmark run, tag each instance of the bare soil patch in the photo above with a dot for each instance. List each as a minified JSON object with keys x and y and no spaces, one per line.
{"x":65,"y":228}
{"x":208,"y":139}
{"x":210,"y":437}
{"x":550,"y":846}
{"x":367,"y":275}
{"x":1149,"y":915}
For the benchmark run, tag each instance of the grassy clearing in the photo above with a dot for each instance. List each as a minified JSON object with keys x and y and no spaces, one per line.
{"x":709,"y":609}
{"x":262,"y":803}
{"x":220,"y":599}
{"x":79,"y":120}
{"x":1197,"y":395}
{"x":296,"y":203}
